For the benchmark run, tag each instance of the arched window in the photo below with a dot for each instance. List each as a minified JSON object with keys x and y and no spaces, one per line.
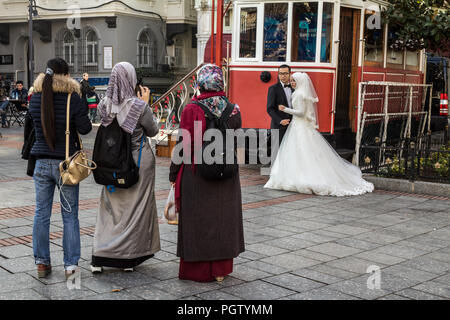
{"x":91,"y":48}
{"x":147,"y":51}
{"x":68,"y":48}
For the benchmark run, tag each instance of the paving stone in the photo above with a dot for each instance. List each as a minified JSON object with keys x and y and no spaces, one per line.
{"x":122,"y":295}
{"x":183,"y":288}
{"x":377,"y":237}
{"x":258,"y":290}
{"x":436,"y":288}
{"x":151,"y":293}
{"x":314,"y":237}
{"x":443,"y":234}
{"x":16,"y":251}
{"x":335,"y":271}
{"x":217,"y":295}
{"x":376,"y":257}
{"x":255,"y":237}
{"x":426,"y":264}
{"x":316,"y":276}
{"x":98,"y":285}
{"x":126,"y":279}
{"x":250,"y":255}
{"x":262,"y":248}
{"x":244,"y":272}
{"x":291,"y":261}
{"x":358,"y":244}
{"x":266,"y":267}
{"x":390,"y":282}
{"x":26,"y":294}
{"x":334,"y":249}
{"x":16,"y":222}
{"x":13,"y":282}
{"x":346,"y":229}
{"x":19,"y":231}
{"x":324,"y":293}
{"x":60,"y":291}
{"x":444,"y":279}
{"x":290,"y":243}
{"x":293,"y":282}
{"x":399,"y":251}
{"x":410,"y":273}
{"x":393,"y":297}
{"x":352,"y":264}
{"x":358,"y":289}
{"x":418,"y":295}
{"x":161,"y":271}
{"x":314,"y":255}
{"x":17,"y":265}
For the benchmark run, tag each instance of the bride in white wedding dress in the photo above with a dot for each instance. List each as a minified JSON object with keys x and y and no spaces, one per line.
{"x":305,"y":162}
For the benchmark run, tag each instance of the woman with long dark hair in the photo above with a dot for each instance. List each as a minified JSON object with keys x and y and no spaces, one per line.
{"x":48,"y":109}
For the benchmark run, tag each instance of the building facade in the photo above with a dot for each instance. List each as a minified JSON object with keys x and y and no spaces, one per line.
{"x":92,"y":36}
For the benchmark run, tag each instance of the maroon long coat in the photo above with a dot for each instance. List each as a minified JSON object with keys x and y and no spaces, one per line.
{"x":210,"y":222}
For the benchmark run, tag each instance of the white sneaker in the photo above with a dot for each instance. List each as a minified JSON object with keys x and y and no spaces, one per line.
{"x":128,"y":269}
{"x":96,"y":269}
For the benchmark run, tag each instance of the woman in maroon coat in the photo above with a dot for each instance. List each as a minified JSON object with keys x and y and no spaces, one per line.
{"x":210,"y":229}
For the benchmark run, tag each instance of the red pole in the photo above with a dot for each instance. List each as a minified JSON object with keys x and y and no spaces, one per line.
{"x":212,"y":31}
{"x":219,"y":36}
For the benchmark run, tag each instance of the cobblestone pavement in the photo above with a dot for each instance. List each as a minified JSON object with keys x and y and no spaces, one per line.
{"x":297,"y":246}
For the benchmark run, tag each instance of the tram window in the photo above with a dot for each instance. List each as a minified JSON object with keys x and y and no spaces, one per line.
{"x":275,"y":31}
{"x":373,"y":33}
{"x":304,"y":35}
{"x":248,"y":23}
{"x":327,"y":32}
{"x":394,"y":51}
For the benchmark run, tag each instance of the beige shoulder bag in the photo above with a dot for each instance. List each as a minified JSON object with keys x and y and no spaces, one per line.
{"x":77,"y":167}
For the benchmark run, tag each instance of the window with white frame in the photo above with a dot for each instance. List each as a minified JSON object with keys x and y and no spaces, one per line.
{"x":91,"y":48}
{"x":146,"y":49}
{"x":286,"y":32}
{"x":248,"y":28}
{"x":68,"y":48}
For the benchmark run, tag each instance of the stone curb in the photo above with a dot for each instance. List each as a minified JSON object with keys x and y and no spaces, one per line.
{"x":417,"y":187}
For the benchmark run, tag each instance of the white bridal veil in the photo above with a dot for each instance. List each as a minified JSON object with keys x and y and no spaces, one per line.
{"x":306,"y":95}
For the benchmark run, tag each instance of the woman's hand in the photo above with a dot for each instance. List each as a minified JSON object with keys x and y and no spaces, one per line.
{"x":144,"y":95}
{"x":281,"y":107}
{"x":172,"y":184}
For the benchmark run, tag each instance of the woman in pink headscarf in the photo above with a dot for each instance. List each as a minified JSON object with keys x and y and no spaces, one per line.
{"x":210,"y":228}
{"x":127,"y":230}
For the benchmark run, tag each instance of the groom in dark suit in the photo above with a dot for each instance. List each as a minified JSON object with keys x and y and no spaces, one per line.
{"x":280,"y":94}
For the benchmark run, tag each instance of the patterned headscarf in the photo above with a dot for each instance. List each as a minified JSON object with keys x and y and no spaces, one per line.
{"x":121,"y":100}
{"x":210,"y":79}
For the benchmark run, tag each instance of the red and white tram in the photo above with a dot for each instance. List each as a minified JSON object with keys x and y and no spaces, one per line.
{"x":338,"y":43}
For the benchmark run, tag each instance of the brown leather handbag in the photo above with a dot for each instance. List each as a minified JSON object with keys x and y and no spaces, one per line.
{"x":77,"y":167}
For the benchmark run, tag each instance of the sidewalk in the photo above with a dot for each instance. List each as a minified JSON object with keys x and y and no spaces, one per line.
{"x":297,"y":246}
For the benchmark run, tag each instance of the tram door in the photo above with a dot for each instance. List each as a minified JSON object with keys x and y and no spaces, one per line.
{"x":347,"y":76}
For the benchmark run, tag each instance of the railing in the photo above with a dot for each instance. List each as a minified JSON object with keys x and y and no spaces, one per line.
{"x":169,"y":106}
{"x":425,"y":157}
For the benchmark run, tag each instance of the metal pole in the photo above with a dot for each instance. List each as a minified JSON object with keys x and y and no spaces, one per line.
{"x":219,"y":37}
{"x":30,"y":45}
{"x":212,"y":31}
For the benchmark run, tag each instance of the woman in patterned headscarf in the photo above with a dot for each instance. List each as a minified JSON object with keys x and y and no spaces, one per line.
{"x":210,"y":229}
{"x":127,"y":230}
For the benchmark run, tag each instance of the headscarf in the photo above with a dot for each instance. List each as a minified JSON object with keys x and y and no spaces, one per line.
{"x":210,"y":79}
{"x":306,"y":94}
{"x":121,"y":101}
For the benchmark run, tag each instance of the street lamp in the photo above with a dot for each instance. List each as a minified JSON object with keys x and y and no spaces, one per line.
{"x":32,"y":12}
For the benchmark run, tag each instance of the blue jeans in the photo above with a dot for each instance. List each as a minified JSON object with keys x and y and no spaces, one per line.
{"x":3,"y":107}
{"x":46,"y":178}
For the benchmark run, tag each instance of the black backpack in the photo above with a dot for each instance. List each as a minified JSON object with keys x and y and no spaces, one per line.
{"x":223,"y":170}
{"x":114,"y":158}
